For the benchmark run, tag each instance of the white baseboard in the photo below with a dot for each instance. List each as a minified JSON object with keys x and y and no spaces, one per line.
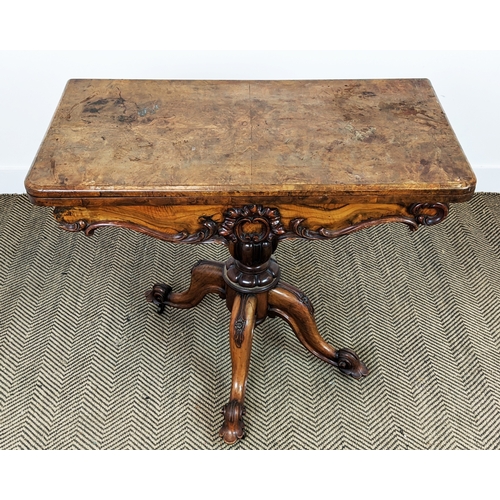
{"x":488,"y":179}
{"x":12,"y":179}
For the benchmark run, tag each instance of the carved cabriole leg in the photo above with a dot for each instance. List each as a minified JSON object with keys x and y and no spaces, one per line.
{"x":243,"y":317}
{"x":294,"y":307}
{"x":262,"y":305}
{"x":206,"y":277}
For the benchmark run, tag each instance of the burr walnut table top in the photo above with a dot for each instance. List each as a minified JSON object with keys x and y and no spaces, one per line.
{"x":249,"y":164}
{"x":173,"y":142}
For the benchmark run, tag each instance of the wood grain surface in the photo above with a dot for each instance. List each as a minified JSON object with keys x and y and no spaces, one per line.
{"x":161,"y":142}
{"x":171,"y":220}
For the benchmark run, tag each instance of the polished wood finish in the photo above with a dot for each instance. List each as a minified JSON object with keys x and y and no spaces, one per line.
{"x":250,"y":282}
{"x":243,"y":317}
{"x":294,"y":307}
{"x":269,"y":142}
{"x":188,"y":224}
{"x":206,"y":277}
{"x":249,"y":164}
{"x":247,"y":310}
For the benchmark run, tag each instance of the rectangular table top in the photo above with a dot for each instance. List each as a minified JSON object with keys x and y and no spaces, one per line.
{"x":178,"y":142}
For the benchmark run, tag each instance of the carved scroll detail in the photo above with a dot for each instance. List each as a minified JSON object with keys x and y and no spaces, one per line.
{"x":348,"y":363}
{"x":420,"y":211}
{"x":159,"y":296}
{"x":427,"y":214}
{"x":208,"y":232}
{"x":323,"y":233}
{"x":233,"y":427}
{"x":239,"y":329}
{"x":73,"y":227}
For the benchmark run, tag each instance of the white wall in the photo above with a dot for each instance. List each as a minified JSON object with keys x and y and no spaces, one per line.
{"x":31,"y":83}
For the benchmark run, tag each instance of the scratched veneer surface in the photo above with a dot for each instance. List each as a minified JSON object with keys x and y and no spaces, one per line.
{"x":173,"y":138}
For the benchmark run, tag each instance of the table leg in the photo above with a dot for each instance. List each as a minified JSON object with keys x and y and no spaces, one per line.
{"x":243,"y":318}
{"x":206,"y":277}
{"x":289,"y":303}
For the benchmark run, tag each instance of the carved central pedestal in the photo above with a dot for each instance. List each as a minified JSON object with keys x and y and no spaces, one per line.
{"x":250,"y":283}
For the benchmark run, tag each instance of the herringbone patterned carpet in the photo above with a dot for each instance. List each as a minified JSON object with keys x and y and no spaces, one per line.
{"x":85,"y":361}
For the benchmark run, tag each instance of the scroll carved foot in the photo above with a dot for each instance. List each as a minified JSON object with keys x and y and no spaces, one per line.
{"x":289,"y":303}
{"x":348,"y":363}
{"x":158,"y":296}
{"x":233,"y":427}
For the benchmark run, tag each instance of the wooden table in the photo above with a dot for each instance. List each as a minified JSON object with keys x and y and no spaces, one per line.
{"x":249,"y":163}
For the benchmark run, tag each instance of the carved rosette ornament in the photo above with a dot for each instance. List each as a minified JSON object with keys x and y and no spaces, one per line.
{"x":252,"y":228}
{"x":252,"y":232}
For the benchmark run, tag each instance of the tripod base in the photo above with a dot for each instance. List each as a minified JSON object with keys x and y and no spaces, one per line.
{"x":250,"y":307}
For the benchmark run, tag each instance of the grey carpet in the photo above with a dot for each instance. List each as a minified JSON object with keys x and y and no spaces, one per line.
{"x":87,"y":363}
